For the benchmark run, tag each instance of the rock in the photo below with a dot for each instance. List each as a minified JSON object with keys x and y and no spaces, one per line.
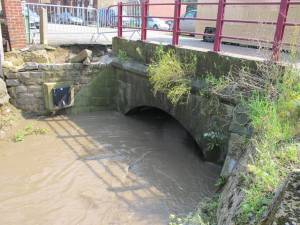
{"x":12,"y":82}
{"x":106,"y":59}
{"x":232,"y":194}
{"x":81,"y":56}
{"x":109,"y":51}
{"x":38,"y":56}
{"x":9,"y":67}
{"x":285,"y":208}
{"x":7,"y":64}
{"x":12,"y":92}
{"x":49,"y":48}
{"x":11,"y":75}
{"x":24,"y":49}
{"x":29,"y":66}
{"x":236,"y":147}
{"x":240,"y":122}
{"x":4,"y":97}
{"x":14,"y":58}
{"x":87,"y":62}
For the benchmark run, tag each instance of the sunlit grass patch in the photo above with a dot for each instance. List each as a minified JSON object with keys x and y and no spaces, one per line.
{"x":27,"y":131}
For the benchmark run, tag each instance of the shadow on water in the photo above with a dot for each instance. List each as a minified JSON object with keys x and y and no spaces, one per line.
{"x":146,"y":159}
{"x":151,"y":115}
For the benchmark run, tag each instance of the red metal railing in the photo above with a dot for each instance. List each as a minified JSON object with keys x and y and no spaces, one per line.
{"x":277,"y":41}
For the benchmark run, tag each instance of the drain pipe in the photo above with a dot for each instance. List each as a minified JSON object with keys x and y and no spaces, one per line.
{"x":1,"y":49}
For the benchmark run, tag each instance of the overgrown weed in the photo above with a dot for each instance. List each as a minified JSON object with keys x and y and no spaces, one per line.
{"x":122,"y":55}
{"x":272,"y":99}
{"x":277,"y":153}
{"x":204,"y":215}
{"x":28,"y":130}
{"x":171,"y":75}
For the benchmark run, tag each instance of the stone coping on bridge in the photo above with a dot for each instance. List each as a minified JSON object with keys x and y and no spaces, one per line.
{"x":208,"y":62}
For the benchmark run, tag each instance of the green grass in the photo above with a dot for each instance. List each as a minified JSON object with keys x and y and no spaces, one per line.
{"x":276,"y":123}
{"x":171,"y":75}
{"x":204,"y":215}
{"x":218,"y":84}
{"x":28,"y":130}
{"x":274,"y":111}
{"x":122,"y":55}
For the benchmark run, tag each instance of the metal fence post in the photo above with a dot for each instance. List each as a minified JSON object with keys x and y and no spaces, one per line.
{"x":176,"y":24}
{"x":219,"y":25}
{"x":98,"y":20}
{"x":120,"y":24}
{"x":144,"y":20}
{"x":280,"y":26}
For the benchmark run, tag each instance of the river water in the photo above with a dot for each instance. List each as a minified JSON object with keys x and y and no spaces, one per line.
{"x":102,"y":168}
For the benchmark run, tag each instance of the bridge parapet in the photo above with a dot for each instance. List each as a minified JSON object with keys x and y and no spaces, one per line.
{"x":208,"y":62}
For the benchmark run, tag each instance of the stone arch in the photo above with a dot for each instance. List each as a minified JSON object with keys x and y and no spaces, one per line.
{"x":191,"y":131}
{"x":140,"y":108}
{"x":198,"y":115}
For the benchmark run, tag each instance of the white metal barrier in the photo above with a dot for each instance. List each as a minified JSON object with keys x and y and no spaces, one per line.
{"x":69,"y":24}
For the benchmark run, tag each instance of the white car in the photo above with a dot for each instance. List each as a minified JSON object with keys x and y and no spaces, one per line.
{"x":156,"y":24}
{"x":188,"y":23}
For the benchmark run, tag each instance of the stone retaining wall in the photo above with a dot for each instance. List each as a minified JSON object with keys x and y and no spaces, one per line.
{"x":25,"y":85}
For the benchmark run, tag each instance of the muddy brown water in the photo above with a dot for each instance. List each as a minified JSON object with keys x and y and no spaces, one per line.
{"x":102,"y":168}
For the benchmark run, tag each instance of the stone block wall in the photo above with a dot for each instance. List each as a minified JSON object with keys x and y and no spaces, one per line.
{"x":93,"y":85}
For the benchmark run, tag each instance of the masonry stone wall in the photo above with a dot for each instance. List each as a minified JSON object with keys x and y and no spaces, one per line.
{"x":200,"y":115}
{"x":236,"y":148}
{"x":93,"y":85}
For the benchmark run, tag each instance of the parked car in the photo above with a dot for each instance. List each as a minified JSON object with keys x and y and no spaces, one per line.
{"x":109,"y":17}
{"x":156,"y":23}
{"x":68,"y":18}
{"x":34,"y":18}
{"x":187,"y":24}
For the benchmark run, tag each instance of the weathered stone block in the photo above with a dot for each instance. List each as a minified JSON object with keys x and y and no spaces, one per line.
{"x":29,"y":66}
{"x":77,"y":66}
{"x":37,"y":77}
{"x":82,"y":56}
{"x":24,"y":76}
{"x":236,"y":147}
{"x":34,"y":88}
{"x":38,"y":94}
{"x":26,"y":101}
{"x":12,"y":92}
{"x":51,"y":67}
{"x":11,"y":75}
{"x":12,"y":82}
{"x":4,"y":97}
{"x":21,"y":89}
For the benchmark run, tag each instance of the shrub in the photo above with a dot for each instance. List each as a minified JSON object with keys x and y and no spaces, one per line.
{"x":171,"y":75}
{"x":272,"y":97}
{"x":275,"y":121}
